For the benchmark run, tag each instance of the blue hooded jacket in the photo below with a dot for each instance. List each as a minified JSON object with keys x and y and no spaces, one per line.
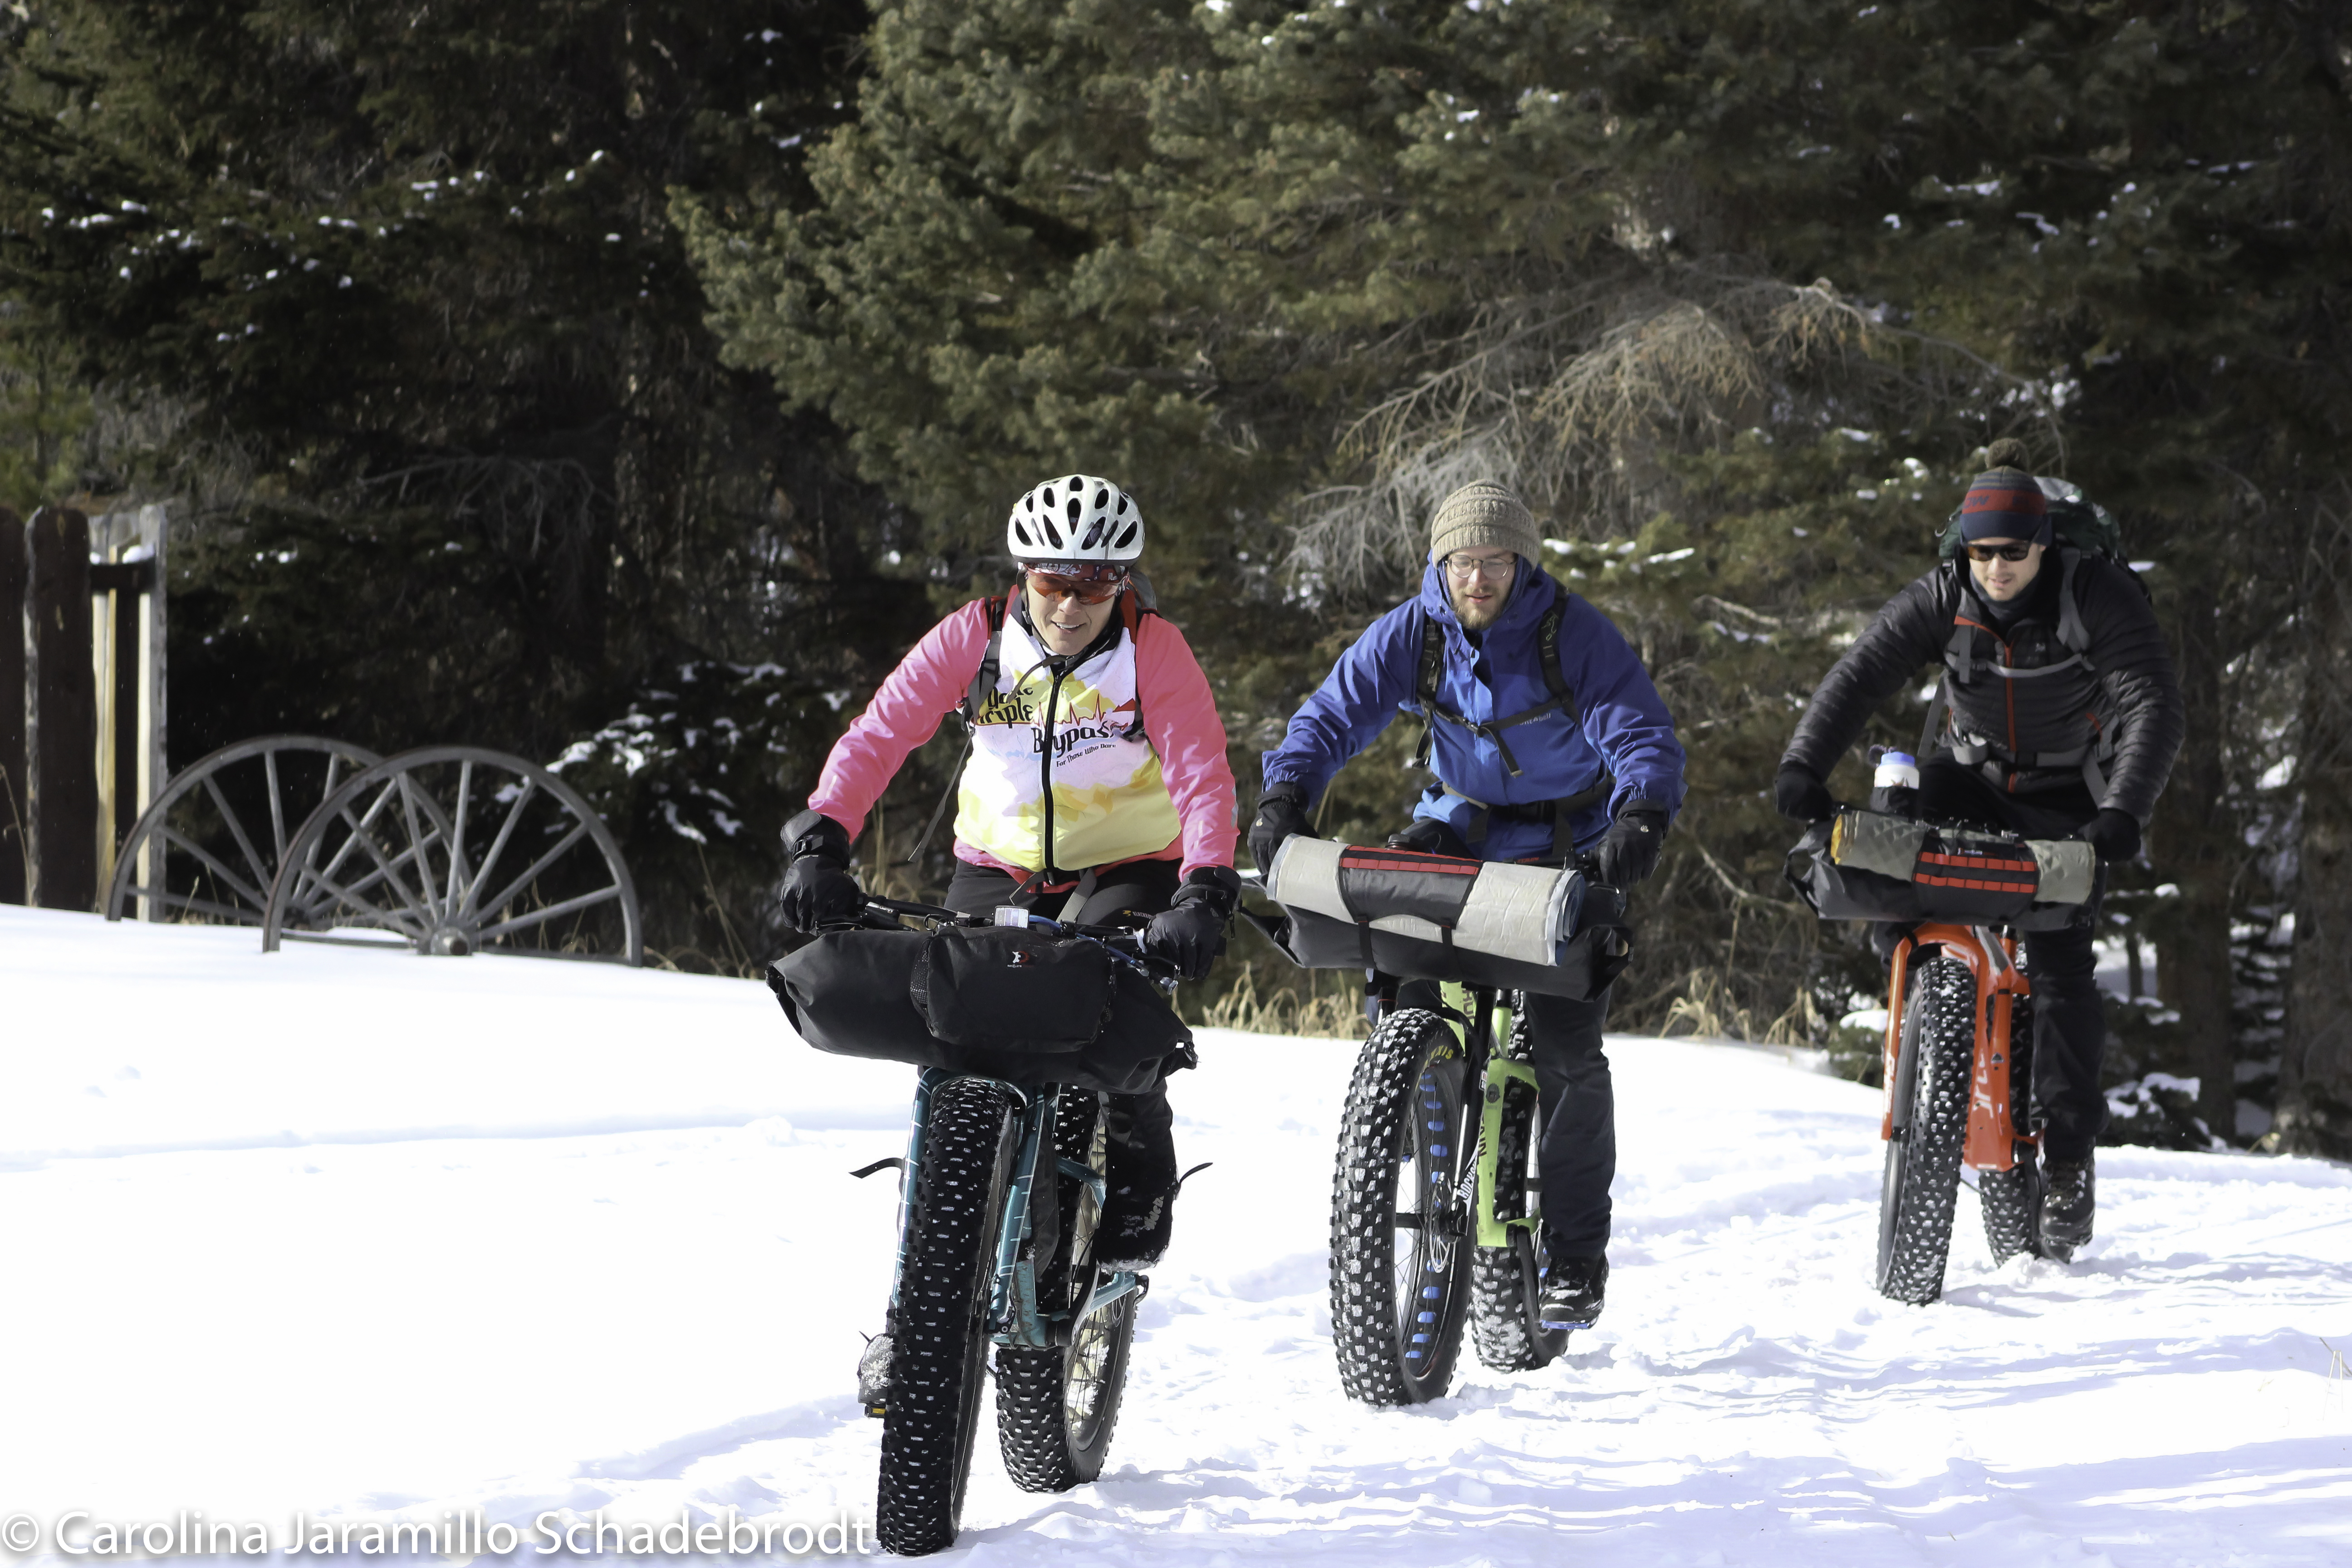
{"x":1621,"y":724}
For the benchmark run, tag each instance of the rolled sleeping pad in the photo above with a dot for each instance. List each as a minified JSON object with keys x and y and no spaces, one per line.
{"x":1419,"y":916}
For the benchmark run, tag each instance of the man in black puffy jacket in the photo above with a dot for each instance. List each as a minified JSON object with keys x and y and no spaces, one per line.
{"x":2065,"y":720}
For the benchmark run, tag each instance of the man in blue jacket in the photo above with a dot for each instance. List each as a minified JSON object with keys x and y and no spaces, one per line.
{"x":1547,"y":739}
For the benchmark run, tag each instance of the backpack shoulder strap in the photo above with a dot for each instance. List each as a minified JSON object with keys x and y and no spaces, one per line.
{"x":2070,"y":630}
{"x":1427,"y":671}
{"x":992,"y":659}
{"x":1547,"y":651}
{"x":1131,"y":614}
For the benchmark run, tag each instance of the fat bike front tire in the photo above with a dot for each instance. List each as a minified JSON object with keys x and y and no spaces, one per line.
{"x":1400,"y":1226}
{"x":1931,"y":1122}
{"x":942,"y":1354}
{"x":1507,"y":1283}
{"x":1056,"y":1407}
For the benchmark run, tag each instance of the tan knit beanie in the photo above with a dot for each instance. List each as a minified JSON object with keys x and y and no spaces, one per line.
{"x":1482,"y":515}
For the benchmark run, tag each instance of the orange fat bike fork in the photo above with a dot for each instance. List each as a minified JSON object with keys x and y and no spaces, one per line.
{"x":2001,"y":988}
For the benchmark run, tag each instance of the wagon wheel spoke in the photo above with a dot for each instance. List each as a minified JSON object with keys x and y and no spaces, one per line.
{"x":392,"y":878}
{"x":236,"y":828}
{"x":278,"y":804}
{"x":513,"y":889}
{"x":470,"y":907}
{"x":457,"y":836}
{"x":172,"y":836}
{"x":552,"y":911}
{"x":425,"y":901}
{"x":358,"y":826}
{"x":390,"y":920}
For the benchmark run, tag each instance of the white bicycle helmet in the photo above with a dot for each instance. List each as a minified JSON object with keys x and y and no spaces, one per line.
{"x":1078,"y":519}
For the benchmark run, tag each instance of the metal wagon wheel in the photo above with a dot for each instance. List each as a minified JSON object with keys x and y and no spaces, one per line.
{"x":456,"y":850}
{"x":210,"y":846}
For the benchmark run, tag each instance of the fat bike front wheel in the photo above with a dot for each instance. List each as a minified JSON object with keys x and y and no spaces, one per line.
{"x":1400,"y":1240}
{"x":1931,"y":1122}
{"x":942,"y":1329}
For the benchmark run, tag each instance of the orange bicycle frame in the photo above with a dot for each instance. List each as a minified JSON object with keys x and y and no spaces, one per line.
{"x":2001,"y":987}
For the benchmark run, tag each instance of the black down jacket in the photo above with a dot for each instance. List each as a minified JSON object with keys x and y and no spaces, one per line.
{"x":2123,"y":685}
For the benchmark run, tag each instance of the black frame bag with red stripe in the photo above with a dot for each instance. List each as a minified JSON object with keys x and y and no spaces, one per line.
{"x":1869,"y":865}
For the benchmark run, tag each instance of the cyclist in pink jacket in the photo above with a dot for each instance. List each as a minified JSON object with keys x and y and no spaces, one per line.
{"x":1097,"y":783}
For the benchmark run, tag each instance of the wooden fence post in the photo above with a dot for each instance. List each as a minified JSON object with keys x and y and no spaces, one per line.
{"x":13,"y":632}
{"x":61,"y":713}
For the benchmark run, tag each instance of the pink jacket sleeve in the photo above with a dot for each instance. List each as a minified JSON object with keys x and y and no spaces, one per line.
{"x":1179,"y":714}
{"x":906,"y":712}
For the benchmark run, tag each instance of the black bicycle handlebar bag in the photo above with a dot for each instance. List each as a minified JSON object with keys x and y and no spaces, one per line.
{"x":1001,"y":1000}
{"x":1419,"y":916}
{"x":1868,"y":866}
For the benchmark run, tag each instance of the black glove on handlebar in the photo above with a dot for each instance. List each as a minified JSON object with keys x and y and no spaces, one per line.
{"x":1281,"y":811}
{"x":1431,"y":836}
{"x":1192,"y":929}
{"x":2113,"y":834}
{"x":818,"y":889}
{"x":1630,"y":851}
{"x":1801,"y":797}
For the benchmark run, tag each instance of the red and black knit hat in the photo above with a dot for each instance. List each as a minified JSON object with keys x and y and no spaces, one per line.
{"x":2005,"y":504}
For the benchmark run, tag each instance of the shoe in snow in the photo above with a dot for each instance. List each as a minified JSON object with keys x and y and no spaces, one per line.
{"x":1132,"y":1234}
{"x":2069,"y":1193}
{"x":874,"y":1375}
{"x":1573,"y":1288}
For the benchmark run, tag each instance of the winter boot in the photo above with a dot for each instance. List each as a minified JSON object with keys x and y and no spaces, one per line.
{"x":874,"y":1373}
{"x":1574,"y":1290}
{"x":2069,"y":1191}
{"x":1136,"y":1219}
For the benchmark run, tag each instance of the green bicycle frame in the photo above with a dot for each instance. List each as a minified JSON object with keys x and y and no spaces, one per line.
{"x":1498,"y":1073}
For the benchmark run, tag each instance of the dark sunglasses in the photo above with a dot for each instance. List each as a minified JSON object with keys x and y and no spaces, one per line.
{"x":1091,"y":588}
{"x":2006,"y":552}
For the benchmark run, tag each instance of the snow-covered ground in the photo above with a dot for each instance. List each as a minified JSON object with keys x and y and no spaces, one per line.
{"x":366,"y":1235}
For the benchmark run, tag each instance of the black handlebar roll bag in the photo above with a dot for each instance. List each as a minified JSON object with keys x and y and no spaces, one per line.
{"x":1419,"y":916}
{"x":1003,"y":1001}
{"x":1869,"y":866}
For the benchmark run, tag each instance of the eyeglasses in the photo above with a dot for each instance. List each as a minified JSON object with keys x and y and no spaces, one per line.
{"x":1463,"y":568}
{"x":2012,"y":551}
{"x":1087,"y":582}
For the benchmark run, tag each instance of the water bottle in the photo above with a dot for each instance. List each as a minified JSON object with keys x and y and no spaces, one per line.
{"x":1894,"y":788}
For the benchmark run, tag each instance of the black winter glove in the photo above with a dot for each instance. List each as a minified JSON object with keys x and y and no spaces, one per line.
{"x":2114,"y":835}
{"x":1281,"y":811}
{"x":1431,"y":836}
{"x":818,"y":888}
{"x":1801,"y":797}
{"x":1629,"y":852}
{"x":1192,"y":929}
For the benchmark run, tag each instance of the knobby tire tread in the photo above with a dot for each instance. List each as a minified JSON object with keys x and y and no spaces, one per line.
{"x":1923,"y":1169}
{"x":1372,"y":1130}
{"x":940,"y":1358}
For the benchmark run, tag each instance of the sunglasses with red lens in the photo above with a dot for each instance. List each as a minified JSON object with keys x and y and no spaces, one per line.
{"x":2011,"y":552}
{"x":1087,"y":584}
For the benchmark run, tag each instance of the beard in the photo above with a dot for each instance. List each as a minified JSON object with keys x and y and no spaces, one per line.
{"x":1475,"y":614}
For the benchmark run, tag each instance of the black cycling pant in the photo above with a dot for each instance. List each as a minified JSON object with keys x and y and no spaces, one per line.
{"x":2070,"y":1028}
{"x":1141,"y":1145}
{"x":1576,"y":1105}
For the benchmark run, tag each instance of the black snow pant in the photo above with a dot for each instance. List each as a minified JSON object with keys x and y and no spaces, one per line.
{"x":1577,"y":1106}
{"x":1141,"y":1145}
{"x":2070,"y":1030}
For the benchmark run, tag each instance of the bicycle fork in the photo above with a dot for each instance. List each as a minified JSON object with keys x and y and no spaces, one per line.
{"x":1993,"y":1136}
